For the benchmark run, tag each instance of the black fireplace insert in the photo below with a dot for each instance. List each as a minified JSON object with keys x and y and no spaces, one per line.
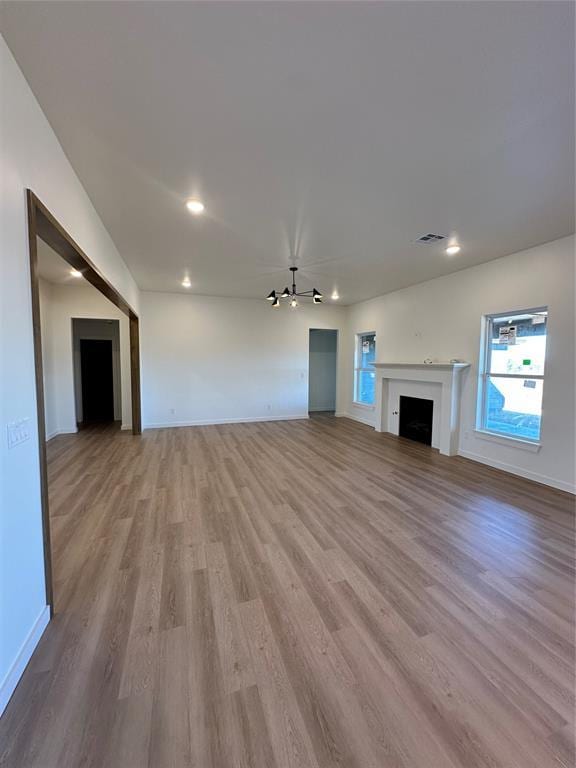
{"x":416,"y":419}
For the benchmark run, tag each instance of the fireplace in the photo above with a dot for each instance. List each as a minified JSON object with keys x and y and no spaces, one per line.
{"x":416,"y":419}
{"x":439,"y":382}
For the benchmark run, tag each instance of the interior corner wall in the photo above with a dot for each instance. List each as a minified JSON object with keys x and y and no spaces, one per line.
{"x":48,"y":370}
{"x":59,"y":305}
{"x":208,"y":360}
{"x":441,"y":319}
{"x":31,"y":157}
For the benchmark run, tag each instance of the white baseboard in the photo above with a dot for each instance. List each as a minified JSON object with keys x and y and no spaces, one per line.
{"x":354,"y":417}
{"x":212,"y":422}
{"x":329,"y":407}
{"x":126,"y":426}
{"x":561,"y":485}
{"x":57,"y":432}
{"x":514,"y":470}
{"x":8,"y":685}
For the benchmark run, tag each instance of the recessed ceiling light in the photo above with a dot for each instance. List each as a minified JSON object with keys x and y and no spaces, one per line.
{"x":186,"y":283}
{"x":75,"y":273}
{"x":195,"y":206}
{"x":452,"y":250}
{"x":335,"y":296}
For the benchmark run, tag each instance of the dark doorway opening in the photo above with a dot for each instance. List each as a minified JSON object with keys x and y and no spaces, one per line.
{"x":97,"y":380}
{"x":416,"y":419}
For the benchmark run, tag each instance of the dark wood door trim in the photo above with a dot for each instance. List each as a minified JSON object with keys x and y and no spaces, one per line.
{"x":41,"y":223}
{"x":37,"y":334}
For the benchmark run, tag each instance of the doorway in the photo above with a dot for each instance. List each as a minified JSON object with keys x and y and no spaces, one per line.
{"x":322,"y":367}
{"x":97,"y":371}
{"x":43,"y":226}
{"x":97,"y":381}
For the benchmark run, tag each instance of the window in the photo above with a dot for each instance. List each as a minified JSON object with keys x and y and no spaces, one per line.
{"x":512,"y":376}
{"x":364,"y":375}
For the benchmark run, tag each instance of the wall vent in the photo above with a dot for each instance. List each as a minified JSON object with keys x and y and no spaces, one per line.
{"x":430,"y":238}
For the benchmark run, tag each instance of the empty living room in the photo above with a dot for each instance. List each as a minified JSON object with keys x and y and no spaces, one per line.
{"x":287,"y":384}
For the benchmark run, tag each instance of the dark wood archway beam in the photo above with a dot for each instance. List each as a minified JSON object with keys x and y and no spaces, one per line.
{"x":42,"y":224}
{"x":53,"y":233}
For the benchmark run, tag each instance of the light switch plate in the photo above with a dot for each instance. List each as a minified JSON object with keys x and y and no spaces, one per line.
{"x":18,"y":432}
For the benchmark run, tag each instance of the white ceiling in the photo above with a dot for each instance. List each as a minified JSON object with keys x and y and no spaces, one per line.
{"x":53,"y":268}
{"x":335,"y":132}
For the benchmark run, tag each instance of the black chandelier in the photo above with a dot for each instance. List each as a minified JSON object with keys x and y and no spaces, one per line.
{"x":292,"y":294}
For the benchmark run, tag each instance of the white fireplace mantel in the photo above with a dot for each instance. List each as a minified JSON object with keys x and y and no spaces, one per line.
{"x":444,"y":380}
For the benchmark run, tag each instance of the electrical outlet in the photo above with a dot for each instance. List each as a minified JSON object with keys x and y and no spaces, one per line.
{"x":18,"y":432}
{"x":172,"y":411}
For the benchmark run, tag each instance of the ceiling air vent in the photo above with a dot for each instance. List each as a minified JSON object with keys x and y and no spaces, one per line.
{"x":430,"y":238}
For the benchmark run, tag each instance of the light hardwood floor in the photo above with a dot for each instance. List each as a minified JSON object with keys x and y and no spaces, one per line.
{"x":305,"y":594}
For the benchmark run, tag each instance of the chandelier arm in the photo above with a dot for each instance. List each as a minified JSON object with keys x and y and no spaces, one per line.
{"x":309,"y":294}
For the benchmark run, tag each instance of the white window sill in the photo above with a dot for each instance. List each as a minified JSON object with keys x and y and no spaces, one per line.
{"x":511,"y":442}
{"x":366,"y":406}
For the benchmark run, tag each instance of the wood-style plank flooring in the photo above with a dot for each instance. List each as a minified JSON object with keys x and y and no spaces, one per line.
{"x":308,"y":594}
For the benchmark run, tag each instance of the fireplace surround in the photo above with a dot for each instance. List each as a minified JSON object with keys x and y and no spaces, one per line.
{"x":439,"y":382}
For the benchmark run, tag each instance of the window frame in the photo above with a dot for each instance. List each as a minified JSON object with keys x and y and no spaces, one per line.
{"x":484,"y":374}
{"x":358,"y":369}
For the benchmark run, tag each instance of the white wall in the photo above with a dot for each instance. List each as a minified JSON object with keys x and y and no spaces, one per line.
{"x":209,"y":360}
{"x":30,"y":156}
{"x":59,"y":304}
{"x":48,"y":361}
{"x":441,"y":319}
{"x":322,"y":370}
